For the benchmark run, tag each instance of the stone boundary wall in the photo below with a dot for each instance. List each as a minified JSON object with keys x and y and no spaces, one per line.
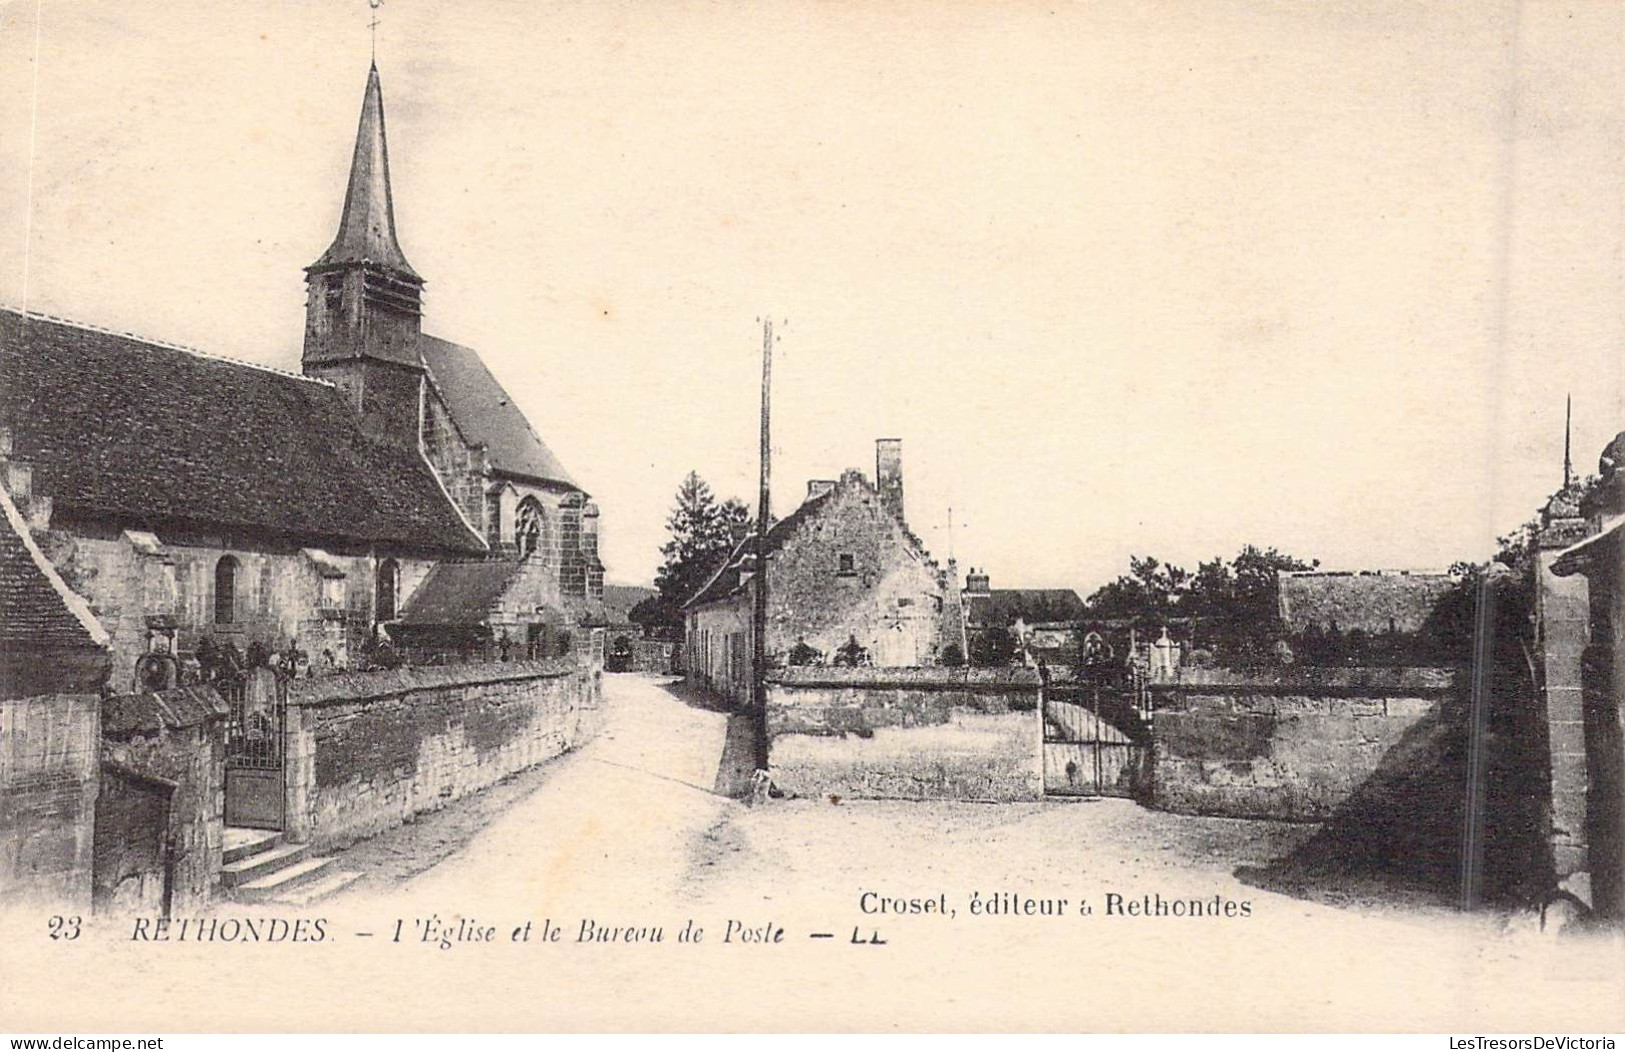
{"x":175,"y":738}
{"x":49,"y":777}
{"x":367,"y":751}
{"x":1288,"y":744}
{"x":906,"y":733}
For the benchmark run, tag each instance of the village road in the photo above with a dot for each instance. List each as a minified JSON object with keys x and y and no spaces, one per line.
{"x":627,"y":834}
{"x":626,"y":837}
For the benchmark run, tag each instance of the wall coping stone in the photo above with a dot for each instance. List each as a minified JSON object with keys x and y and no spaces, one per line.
{"x":929,"y":678}
{"x":1352,"y":681}
{"x":358,"y":686}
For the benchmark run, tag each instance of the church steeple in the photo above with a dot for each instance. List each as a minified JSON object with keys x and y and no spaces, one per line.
{"x":363,"y":300}
{"x":367,"y":227}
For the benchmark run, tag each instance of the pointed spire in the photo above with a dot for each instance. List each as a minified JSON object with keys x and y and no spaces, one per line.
{"x":367,"y":228}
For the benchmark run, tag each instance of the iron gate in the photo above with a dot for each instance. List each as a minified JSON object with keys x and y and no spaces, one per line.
{"x":255,"y":791}
{"x":1094,"y":745}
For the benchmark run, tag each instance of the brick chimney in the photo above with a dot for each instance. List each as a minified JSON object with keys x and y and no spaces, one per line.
{"x":889,"y":475}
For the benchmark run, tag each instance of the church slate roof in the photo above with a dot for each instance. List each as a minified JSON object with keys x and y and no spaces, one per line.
{"x":37,"y":609}
{"x":486,"y":414}
{"x":121,"y":428}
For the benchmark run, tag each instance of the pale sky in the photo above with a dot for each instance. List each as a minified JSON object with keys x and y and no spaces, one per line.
{"x":1150,"y":278}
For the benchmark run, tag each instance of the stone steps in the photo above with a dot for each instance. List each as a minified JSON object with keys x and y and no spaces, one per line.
{"x":317,"y":890}
{"x":282,"y":880}
{"x":240,"y":843}
{"x":260,"y":867}
{"x":261,"y":863}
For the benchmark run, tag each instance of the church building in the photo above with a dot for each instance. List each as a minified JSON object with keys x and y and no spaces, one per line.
{"x":389,"y":490}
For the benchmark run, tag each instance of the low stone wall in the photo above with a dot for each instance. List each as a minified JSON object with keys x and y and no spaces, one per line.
{"x":906,"y":733}
{"x":367,"y":751}
{"x":1290,"y":744}
{"x":654,"y":656}
{"x":48,"y":785}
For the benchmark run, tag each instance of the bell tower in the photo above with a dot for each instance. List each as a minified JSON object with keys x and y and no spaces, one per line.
{"x":363,"y":300}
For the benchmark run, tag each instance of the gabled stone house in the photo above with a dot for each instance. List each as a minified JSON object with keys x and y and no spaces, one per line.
{"x":189,"y":497}
{"x":848,"y":582}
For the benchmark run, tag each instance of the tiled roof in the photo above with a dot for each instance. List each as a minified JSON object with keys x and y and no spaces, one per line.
{"x":120,"y":427}
{"x":37,"y":609}
{"x":460,"y":593}
{"x":726,"y":581}
{"x":1370,"y":601}
{"x":486,"y":414}
{"x":1001,"y":606}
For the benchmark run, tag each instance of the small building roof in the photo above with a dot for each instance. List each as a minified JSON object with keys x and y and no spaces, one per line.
{"x":37,"y":608}
{"x":726,"y":582}
{"x":1002,"y":606}
{"x":1605,"y":543}
{"x":460,"y":593}
{"x":1370,"y":600}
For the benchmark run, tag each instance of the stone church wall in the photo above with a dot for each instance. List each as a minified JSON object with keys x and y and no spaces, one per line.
{"x":460,"y":466}
{"x":136,"y":589}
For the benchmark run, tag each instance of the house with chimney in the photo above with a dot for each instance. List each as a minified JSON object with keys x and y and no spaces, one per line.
{"x":390,"y":488}
{"x":848,"y":583}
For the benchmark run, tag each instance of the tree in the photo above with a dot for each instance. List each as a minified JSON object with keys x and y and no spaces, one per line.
{"x":1232,"y":603}
{"x":992,"y":648}
{"x":701,"y":535}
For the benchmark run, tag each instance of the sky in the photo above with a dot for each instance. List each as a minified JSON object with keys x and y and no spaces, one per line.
{"x":1125,"y":278}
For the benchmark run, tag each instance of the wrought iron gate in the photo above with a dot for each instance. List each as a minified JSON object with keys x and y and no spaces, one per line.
{"x":1093,"y":744}
{"x":255,"y":790}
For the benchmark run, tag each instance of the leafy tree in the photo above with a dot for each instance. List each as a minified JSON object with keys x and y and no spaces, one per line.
{"x":701,"y":534}
{"x":952,"y":656}
{"x":1232,"y":603}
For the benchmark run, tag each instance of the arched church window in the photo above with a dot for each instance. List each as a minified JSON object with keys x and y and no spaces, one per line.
{"x":225,"y":590}
{"x":386,"y":588}
{"x":530,"y":527}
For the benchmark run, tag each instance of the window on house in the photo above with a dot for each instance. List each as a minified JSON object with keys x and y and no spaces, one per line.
{"x":334,"y":291}
{"x":846,"y":564}
{"x":225,"y":590}
{"x":386,"y":588}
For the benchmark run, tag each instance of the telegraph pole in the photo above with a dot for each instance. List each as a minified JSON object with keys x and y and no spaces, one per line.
{"x":1568,"y":431}
{"x":759,"y":578}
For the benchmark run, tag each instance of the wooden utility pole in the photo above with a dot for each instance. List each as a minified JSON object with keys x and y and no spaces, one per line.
{"x":759,"y":578}
{"x":1568,"y":431}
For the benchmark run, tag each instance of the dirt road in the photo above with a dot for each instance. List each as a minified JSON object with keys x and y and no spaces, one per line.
{"x":560,"y":900}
